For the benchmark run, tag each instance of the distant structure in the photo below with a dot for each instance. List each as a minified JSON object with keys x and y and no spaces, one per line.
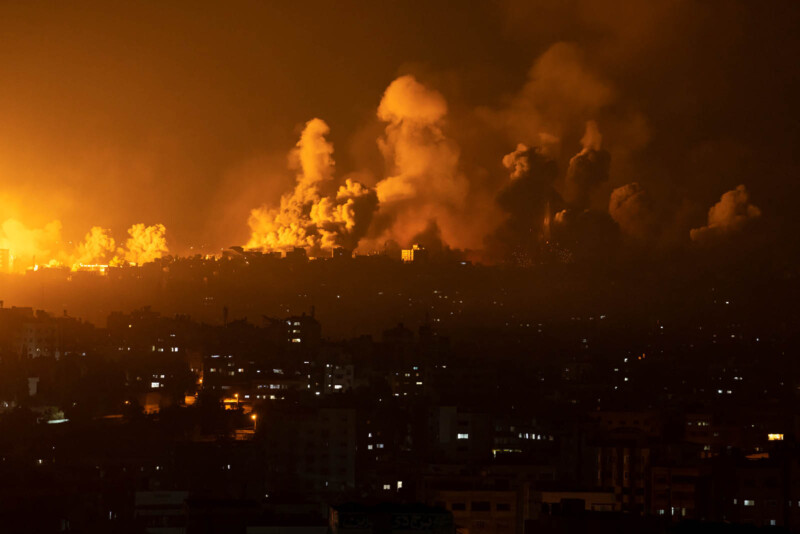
{"x":413,"y":254}
{"x":5,"y":260}
{"x":297,"y":254}
{"x":390,"y":518}
{"x":341,"y":253}
{"x":303,"y":330}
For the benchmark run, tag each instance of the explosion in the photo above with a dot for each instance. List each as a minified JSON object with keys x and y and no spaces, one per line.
{"x":30,"y":248}
{"x":97,"y":248}
{"x":425,"y":184}
{"x":630,"y":208}
{"x":587,"y":169}
{"x":730,"y":214}
{"x":145,"y":244}
{"x":27,"y":246}
{"x":307,"y":217}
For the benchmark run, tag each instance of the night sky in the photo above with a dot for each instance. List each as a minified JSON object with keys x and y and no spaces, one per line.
{"x":193,"y":115}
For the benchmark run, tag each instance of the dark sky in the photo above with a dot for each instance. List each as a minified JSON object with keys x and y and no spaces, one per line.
{"x":183,"y":113}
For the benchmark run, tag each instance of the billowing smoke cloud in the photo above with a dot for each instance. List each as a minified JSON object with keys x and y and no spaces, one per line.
{"x":29,"y":246}
{"x":341,"y":221}
{"x":587,"y":169}
{"x":730,"y":214}
{"x":529,"y":200}
{"x":307,"y":217}
{"x":32,"y":247}
{"x":542,"y":225}
{"x":631,"y":209}
{"x":424,"y":183}
{"x":98,"y":247}
{"x":146,"y":243}
{"x":562,"y":91}
{"x":587,"y":234}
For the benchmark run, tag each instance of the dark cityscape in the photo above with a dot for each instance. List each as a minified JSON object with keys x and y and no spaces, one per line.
{"x":547,"y":281}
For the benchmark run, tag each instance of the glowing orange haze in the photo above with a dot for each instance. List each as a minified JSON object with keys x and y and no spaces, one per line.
{"x":424,"y":189}
{"x":32,"y":247}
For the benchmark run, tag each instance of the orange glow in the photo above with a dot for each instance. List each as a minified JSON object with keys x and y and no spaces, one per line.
{"x":34,"y":248}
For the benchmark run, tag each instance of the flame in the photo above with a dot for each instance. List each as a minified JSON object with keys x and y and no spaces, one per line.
{"x":307,"y":217}
{"x":36,"y":248}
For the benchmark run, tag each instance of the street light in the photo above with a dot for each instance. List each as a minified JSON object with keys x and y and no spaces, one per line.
{"x":254,"y":417}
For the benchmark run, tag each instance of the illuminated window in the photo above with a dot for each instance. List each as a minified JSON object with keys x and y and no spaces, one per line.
{"x":463,"y":436}
{"x":748,"y":502}
{"x":775,"y":437}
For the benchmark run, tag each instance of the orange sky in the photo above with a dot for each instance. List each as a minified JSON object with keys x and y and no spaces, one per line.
{"x":183,"y":114}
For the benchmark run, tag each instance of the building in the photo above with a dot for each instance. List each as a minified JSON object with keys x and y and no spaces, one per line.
{"x":303,"y":331}
{"x":297,"y":255}
{"x":311,"y":450}
{"x":38,"y":338}
{"x":338,"y":378}
{"x":389,"y":519}
{"x":341,"y":253}
{"x":553,"y":502}
{"x":414,"y":254}
{"x":677,"y":492}
{"x":622,"y":467}
{"x":161,"y":511}
{"x":481,"y":509}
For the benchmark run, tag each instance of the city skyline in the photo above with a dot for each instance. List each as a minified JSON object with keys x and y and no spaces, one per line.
{"x":632,"y":131}
{"x":353,"y":267}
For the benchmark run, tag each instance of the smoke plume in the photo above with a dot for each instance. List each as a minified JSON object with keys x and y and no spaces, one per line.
{"x":587,"y":234}
{"x":145,"y":244}
{"x":631,"y":209}
{"x":424,"y":184}
{"x":587,"y":169}
{"x":308,"y":217}
{"x":730,"y":214}
{"x":562,"y":91}
{"x":529,"y":200}
{"x":97,"y":248}
{"x":29,"y":246}
{"x":32,"y":247}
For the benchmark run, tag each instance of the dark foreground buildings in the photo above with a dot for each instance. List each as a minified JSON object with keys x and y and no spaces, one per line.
{"x":597,"y":420}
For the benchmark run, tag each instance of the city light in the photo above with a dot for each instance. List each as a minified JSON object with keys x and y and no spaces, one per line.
{"x":486,"y":213}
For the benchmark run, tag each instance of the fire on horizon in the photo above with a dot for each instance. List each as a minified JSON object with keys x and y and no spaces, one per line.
{"x":498,"y":132}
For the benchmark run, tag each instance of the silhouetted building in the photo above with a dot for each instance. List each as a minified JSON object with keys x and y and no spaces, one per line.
{"x":414,"y":254}
{"x":390,"y":519}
